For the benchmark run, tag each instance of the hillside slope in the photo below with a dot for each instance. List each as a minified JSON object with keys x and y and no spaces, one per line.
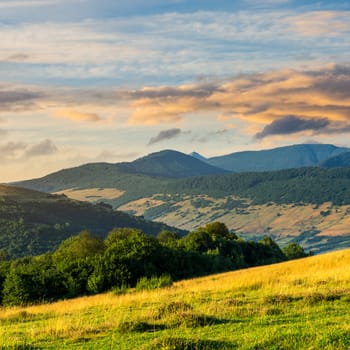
{"x":32,"y":222}
{"x":318,"y":228}
{"x":249,"y":203}
{"x":301,"y":304}
{"x":288,"y":157}
{"x":341,"y":160}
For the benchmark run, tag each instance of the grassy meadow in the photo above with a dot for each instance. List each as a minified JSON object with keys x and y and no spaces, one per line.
{"x":300,"y":304}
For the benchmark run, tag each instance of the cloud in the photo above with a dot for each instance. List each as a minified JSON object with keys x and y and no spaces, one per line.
{"x":17,"y":57}
{"x":43,"y":148}
{"x":167,"y":47}
{"x":27,"y":3}
{"x":14,"y":98}
{"x":11,"y":149}
{"x":109,"y":156}
{"x":251,"y":100}
{"x":320,"y":23}
{"x":77,"y":116}
{"x":318,"y":100}
{"x":265,"y":3}
{"x":20,"y":150}
{"x":165,"y":135}
{"x":292,"y":124}
{"x":210,"y":136}
{"x":218,"y":132}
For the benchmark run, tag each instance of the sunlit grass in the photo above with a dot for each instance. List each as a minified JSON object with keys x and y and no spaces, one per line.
{"x":300,"y":304}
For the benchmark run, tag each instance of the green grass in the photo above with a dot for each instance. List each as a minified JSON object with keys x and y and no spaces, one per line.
{"x":301,"y":304}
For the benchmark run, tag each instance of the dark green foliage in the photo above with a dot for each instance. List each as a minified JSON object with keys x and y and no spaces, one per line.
{"x":298,"y":186}
{"x":85,"y":264}
{"x":31,"y":280}
{"x":83,"y":245}
{"x":294,"y":251}
{"x":258,"y":253}
{"x":168,"y":238}
{"x":219,"y":230}
{"x":199,"y":241}
{"x":32,"y":222}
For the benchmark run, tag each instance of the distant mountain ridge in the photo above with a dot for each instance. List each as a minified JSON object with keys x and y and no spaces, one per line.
{"x":170,"y":164}
{"x":341,"y":160}
{"x":162,"y":186}
{"x":149,"y":174}
{"x":198,"y":156}
{"x":288,"y":157}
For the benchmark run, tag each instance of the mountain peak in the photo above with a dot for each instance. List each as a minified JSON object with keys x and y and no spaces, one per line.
{"x":170,"y":163}
{"x":198,"y":156}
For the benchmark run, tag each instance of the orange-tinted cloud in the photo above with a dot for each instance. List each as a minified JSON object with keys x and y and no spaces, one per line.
{"x":319,"y":99}
{"x":320,"y":23}
{"x":77,"y":116}
{"x":150,"y":111}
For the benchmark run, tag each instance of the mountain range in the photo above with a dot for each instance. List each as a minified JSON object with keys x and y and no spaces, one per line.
{"x":307,"y":204}
{"x":296,"y":156}
{"x":173,"y":164}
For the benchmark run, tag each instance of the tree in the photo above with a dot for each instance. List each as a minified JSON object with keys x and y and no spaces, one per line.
{"x":199,"y":241}
{"x":294,"y":251}
{"x":81,"y":246}
{"x":219,"y":230}
{"x":168,"y":238}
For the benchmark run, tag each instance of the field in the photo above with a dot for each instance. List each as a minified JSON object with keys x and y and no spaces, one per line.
{"x":301,"y":304}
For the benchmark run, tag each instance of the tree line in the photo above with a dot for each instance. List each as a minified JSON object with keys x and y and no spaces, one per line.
{"x":86,"y":264}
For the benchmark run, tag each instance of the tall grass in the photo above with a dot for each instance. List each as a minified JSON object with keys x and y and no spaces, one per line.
{"x":300,"y":304}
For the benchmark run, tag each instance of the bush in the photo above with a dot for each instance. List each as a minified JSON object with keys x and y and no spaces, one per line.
{"x":294,"y":251}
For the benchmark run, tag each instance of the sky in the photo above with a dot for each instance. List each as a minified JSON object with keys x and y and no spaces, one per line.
{"x":111,"y":80}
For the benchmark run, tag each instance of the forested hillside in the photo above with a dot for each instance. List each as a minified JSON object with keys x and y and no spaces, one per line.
{"x":32,"y":222}
{"x":305,"y":185}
